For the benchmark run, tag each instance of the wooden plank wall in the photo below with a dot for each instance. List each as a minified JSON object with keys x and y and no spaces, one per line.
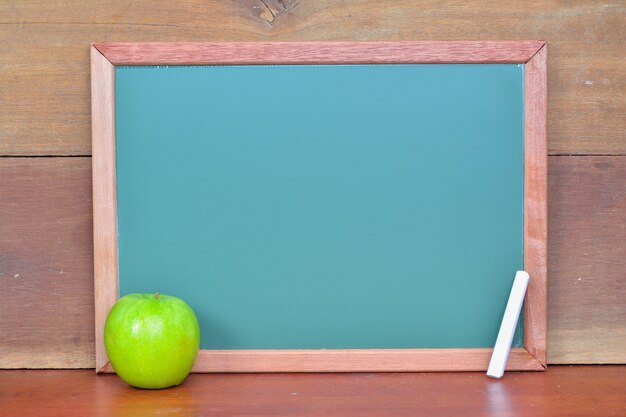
{"x":46,"y":266}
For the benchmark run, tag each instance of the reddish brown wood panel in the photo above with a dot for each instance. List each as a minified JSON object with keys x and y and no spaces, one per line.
{"x":354,"y":360}
{"x":587,"y":267}
{"x":46,"y":268}
{"x":536,"y":204}
{"x":358,"y":360}
{"x":104,"y":196}
{"x":44,"y":70}
{"x":45,"y":228}
{"x":560,"y":391}
{"x":311,"y":53}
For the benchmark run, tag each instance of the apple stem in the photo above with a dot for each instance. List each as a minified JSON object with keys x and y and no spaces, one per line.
{"x":156,"y":295}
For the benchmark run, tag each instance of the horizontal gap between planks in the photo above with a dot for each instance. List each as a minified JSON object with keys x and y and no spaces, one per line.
{"x":45,"y":156}
{"x":89,"y":156}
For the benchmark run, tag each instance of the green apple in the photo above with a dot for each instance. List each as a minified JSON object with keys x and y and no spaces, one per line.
{"x":152,"y":340}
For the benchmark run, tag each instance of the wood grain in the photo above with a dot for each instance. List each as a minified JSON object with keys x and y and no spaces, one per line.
{"x":46,"y":313}
{"x":536,"y":203}
{"x":44,"y":54}
{"x":355,"y":360}
{"x":587,"y":216}
{"x":104,"y":195}
{"x":311,"y":53}
{"x":45,"y":96}
{"x":359,"y":360}
{"x":560,"y":391}
{"x":587,"y":275}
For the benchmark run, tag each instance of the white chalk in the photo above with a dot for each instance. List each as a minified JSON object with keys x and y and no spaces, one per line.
{"x":509,"y":323}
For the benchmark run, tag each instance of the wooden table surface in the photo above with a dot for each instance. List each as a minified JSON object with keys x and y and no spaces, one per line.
{"x":561,"y":391}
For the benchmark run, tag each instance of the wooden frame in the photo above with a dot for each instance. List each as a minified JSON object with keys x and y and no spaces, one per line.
{"x":104,"y":57}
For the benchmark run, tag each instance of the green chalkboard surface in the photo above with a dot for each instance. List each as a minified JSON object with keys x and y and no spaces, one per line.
{"x":324,"y":206}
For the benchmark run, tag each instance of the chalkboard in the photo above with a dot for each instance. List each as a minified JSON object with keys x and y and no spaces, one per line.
{"x":312,"y":207}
